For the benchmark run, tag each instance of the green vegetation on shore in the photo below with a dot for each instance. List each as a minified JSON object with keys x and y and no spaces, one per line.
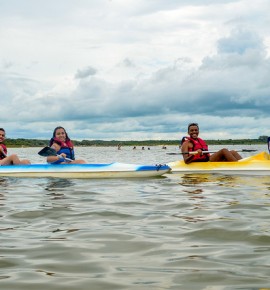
{"x":42,"y":143}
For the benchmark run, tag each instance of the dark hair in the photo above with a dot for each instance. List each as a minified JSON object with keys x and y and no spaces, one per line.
{"x":1,"y":129}
{"x":54,"y":133}
{"x":192,"y":124}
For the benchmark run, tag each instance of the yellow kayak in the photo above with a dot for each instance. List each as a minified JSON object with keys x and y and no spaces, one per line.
{"x":258,"y":164}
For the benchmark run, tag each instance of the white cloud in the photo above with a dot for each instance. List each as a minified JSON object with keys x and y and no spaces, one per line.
{"x":134,"y":69}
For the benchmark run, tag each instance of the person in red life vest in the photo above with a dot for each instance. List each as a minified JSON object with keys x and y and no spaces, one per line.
{"x":12,"y":159}
{"x":194,"y":143}
{"x":62,"y":144}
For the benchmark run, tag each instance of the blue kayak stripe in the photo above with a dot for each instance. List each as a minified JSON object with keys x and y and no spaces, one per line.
{"x":152,"y":167}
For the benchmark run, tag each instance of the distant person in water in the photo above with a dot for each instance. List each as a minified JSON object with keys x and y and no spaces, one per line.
{"x":194,"y":143}
{"x":12,"y":159}
{"x":62,"y":144}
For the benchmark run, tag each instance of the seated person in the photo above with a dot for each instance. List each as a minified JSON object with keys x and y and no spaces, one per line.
{"x":12,"y":159}
{"x":194,"y":143}
{"x":62,"y":144}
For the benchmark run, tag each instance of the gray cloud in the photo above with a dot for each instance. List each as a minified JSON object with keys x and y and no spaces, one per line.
{"x":240,"y":41}
{"x":85,"y":72}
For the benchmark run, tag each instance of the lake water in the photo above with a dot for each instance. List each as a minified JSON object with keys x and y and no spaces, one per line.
{"x":207,"y":232}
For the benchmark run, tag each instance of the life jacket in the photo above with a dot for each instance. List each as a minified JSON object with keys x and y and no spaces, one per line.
{"x":2,"y":156}
{"x":66,"y":147}
{"x":197,"y":144}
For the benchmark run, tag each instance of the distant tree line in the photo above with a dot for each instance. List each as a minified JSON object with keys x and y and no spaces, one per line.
{"x":20,"y":142}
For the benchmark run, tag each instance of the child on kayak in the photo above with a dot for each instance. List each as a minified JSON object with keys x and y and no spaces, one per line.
{"x":62,"y":144}
{"x":194,"y":143}
{"x":12,"y":159}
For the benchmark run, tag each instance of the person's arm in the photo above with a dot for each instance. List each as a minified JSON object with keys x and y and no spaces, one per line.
{"x":2,"y":150}
{"x":51,"y":159}
{"x":185,"y":148}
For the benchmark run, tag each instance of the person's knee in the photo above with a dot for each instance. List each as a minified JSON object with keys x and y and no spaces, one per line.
{"x":224,"y":150}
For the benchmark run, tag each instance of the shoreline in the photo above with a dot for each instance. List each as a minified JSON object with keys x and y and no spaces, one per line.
{"x":26,"y":143}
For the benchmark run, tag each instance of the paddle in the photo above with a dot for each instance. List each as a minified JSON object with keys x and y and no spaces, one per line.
{"x":205,"y":152}
{"x":268,"y":143}
{"x":48,"y":151}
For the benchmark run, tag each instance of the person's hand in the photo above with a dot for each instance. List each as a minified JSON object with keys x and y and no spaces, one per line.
{"x":63,"y":155}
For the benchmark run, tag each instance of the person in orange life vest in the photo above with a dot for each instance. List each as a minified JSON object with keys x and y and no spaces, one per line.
{"x":12,"y":159}
{"x":62,"y":144}
{"x":194,"y":143}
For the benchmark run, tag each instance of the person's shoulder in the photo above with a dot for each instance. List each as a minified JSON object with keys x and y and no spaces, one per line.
{"x":185,"y":139}
{"x":185,"y":145}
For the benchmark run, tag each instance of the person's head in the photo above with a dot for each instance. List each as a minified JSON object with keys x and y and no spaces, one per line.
{"x":60,"y":133}
{"x":2,"y":134}
{"x":193,"y":129}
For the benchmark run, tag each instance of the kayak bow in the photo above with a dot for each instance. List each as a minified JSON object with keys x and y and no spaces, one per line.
{"x":258,"y":164}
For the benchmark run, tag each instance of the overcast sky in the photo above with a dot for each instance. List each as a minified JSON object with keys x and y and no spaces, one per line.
{"x":135,"y":69}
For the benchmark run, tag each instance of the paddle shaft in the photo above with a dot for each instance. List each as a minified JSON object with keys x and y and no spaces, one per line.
{"x":206,"y":152}
{"x":60,"y":156}
{"x":191,"y":152}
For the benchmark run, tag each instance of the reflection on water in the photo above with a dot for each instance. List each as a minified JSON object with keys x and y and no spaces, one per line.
{"x":58,"y":183}
{"x":208,"y":232}
{"x":57,"y":187}
{"x":217,"y":179}
{"x":3,"y":182}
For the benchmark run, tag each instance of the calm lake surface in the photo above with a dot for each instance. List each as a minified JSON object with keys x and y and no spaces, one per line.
{"x":208,"y":232}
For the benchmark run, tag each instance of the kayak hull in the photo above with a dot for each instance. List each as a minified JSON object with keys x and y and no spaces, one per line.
{"x":258,"y":164}
{"x":110,"y":170}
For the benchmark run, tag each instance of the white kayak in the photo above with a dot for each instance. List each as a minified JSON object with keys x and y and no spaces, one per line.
{"x":110,"y":170}
{"x":258,"y":164}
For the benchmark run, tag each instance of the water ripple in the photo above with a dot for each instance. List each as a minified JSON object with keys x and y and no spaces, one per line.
{"x":208,"y":232}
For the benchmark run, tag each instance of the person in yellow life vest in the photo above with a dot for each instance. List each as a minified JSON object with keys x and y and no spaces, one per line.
{"x":194,"y":143}
{"x":12,"y":159}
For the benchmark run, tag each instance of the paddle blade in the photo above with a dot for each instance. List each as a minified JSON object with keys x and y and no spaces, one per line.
{"x":47,"y":151}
